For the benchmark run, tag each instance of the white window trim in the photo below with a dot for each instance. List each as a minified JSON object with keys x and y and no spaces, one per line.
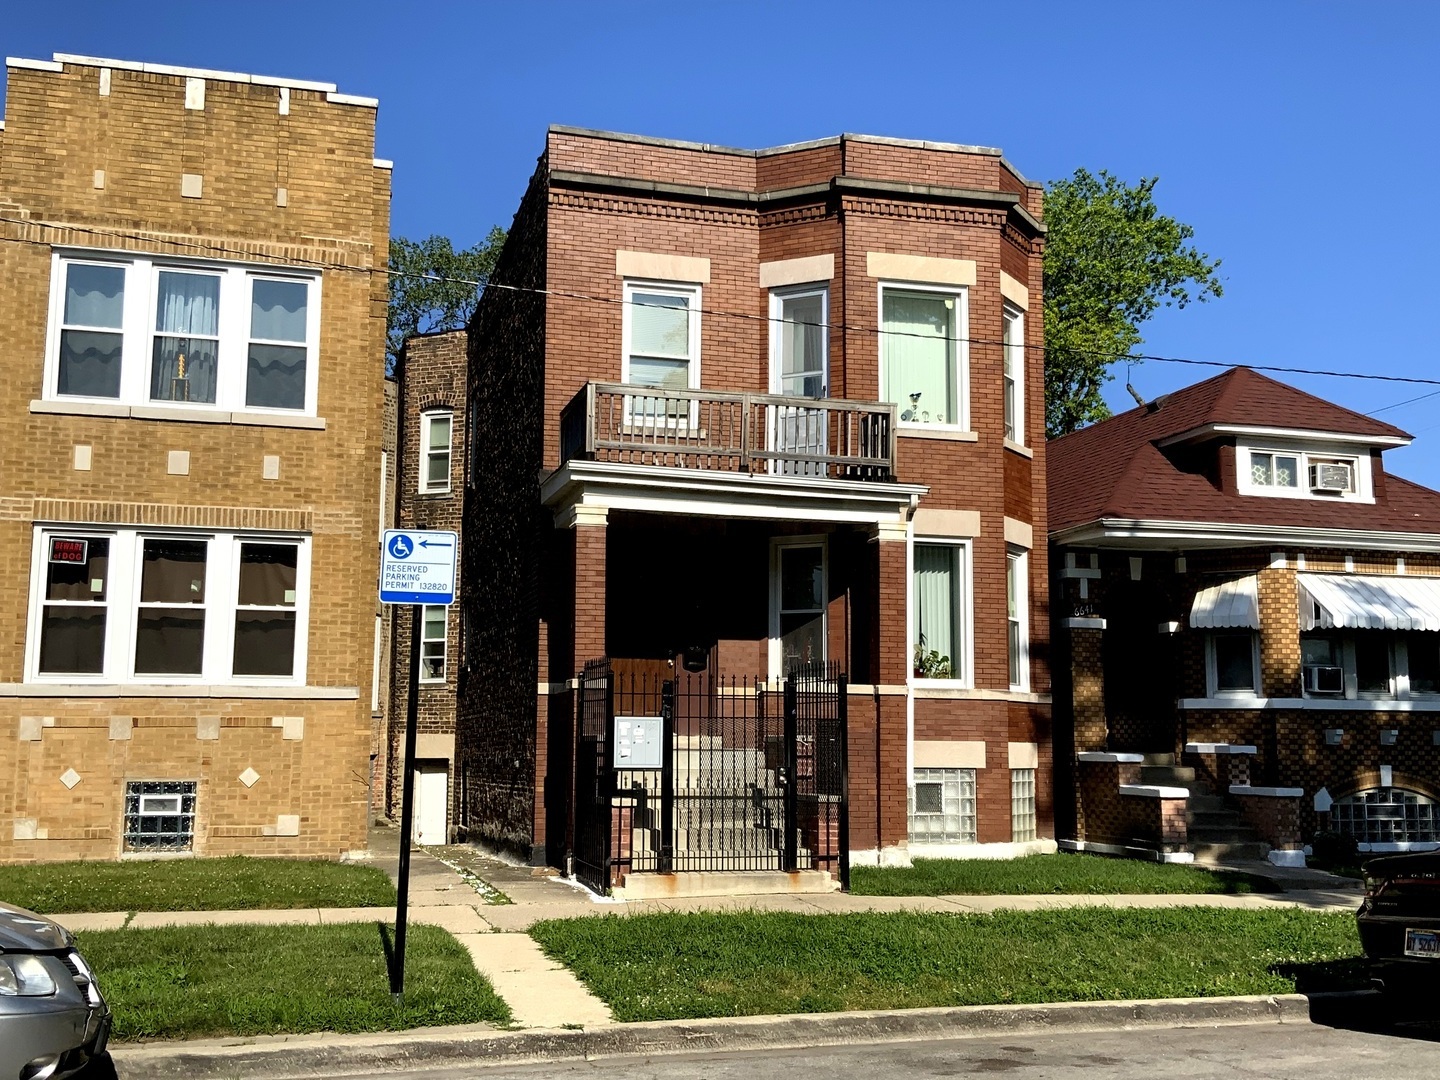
{"x":427,"y":418}
{"x":965,"y":679}
{"x":222,"y":577}
{"x":671,"y":288}
{"x":1012,"y":316}
{"x":1212,"y":676}
{"x":777,"y":545}
{"x":1360,"y":462}
{"x":778,"y":296}
{"x":1020,"y":559}
{"x":444,"y":640}
{"x":961,"y":293}
{"x":138,"y":330}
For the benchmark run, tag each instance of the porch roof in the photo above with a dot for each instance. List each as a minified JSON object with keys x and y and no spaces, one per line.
{"x":579,"y":485}
{"x":1360,"y":602}
{"x":1233,"y":603}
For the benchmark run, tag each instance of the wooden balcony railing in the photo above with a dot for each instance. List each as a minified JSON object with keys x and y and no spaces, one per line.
{"x":730,"y":432}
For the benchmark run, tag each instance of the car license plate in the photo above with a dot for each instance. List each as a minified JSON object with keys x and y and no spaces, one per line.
{"x":1422,"y":943}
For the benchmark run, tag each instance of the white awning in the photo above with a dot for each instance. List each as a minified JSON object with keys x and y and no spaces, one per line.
{"x":1229,"y":604}
{"x":1357,"y":602}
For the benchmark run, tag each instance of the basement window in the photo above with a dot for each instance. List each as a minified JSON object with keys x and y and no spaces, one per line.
{"x":160,"y":815}
{"x":942,"y":807}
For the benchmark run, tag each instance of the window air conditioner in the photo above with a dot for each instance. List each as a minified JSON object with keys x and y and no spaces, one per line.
{"x":1324,"y":679}
{"x":1330,"y":476}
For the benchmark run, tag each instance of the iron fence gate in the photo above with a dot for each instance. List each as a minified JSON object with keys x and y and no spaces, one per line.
{"x":750,"y":777}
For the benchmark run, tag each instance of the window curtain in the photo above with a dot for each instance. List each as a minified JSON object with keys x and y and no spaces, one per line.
{"x":936,"y":584}
{"x":920,"y":357}
{"x":187,"y":322}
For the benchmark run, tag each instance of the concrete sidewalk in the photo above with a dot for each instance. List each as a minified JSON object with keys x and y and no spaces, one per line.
{"x":444,"y":892}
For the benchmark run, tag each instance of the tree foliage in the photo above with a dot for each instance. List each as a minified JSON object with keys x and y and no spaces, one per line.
{"x":429,"y":286}
{"x":1111,"y":259}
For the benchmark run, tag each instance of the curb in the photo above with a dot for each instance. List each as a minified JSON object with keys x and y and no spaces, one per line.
{"x":328,"y":1054}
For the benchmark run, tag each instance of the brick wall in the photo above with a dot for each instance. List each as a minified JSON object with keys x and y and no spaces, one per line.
{"x":94,"y":159}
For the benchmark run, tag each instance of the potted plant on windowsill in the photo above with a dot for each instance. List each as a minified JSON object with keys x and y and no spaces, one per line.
{"x":931,"y":664}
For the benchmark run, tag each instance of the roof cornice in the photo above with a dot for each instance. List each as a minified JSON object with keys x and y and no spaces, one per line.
{"x":1210,"y":431}
{"x":1135,"y":532}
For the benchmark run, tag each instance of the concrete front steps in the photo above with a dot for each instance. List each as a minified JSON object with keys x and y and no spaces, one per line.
{"x":724,"y":883}
{"x":1217,"y":833}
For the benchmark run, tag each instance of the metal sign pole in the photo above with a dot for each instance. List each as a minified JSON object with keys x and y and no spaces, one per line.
{"x":407,"y":810}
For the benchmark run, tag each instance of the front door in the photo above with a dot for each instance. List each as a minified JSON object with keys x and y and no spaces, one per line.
{"x":432,"y":799}
{"x":799,"y":368}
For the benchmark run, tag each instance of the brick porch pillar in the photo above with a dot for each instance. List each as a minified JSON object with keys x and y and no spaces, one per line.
{"x":892,"y":796}
{"x":1087,"y":687}
{"x":589,"y":526}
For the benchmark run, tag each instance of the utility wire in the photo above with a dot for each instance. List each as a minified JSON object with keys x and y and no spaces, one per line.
{"x":207,"y":247}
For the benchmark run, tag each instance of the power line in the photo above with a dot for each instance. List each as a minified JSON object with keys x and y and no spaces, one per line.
{"x":713,"y":312}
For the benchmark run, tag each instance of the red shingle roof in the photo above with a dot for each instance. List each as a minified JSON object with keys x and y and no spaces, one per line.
{"x":1115,"y":469}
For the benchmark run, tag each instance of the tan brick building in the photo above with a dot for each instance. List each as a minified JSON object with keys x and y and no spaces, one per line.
{"x":191,"y":431}
{"x":775,"y":409}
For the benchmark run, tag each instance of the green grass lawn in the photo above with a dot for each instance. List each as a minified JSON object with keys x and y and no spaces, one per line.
{"x":198,"y":981}
{"x":1089,"y":874}
{"x":675,"y":966}
{"x":193,"y":885}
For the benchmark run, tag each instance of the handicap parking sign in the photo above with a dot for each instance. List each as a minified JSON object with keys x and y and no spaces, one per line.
{"x":418,"y":567}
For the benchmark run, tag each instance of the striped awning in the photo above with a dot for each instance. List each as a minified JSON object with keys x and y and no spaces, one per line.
{"x":1358,"y":602}
{"x":1233,"y":603}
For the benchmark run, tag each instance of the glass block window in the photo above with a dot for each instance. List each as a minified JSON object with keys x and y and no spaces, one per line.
{"x":942,"y":807}
{"x":159,"y":815}
{"x":1385,"y":816}
{"x":1022,"y":805}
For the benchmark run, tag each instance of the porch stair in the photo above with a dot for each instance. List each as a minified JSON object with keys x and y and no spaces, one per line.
{"x":1217,"y":832}
{"x":724,"y":883}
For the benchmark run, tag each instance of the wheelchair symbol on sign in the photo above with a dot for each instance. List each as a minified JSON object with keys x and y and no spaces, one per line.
{"x":400,"y":547}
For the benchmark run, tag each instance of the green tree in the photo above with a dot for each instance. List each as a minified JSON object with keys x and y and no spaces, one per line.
{"x":1111,"y":259}
{"x":431,"y":286}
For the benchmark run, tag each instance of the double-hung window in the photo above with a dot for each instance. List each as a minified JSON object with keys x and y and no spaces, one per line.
{"x":1017,"y":588}
{"x":940,"y":610}
{"x":798,"y":602}
{"x":923,"y":355}
{"x":1013,"y":360}
{"x":1232,"y":661}
{"x":434,"y":626}
{"x":141,"y":331}
{"x":435,"y":435}
{"x":135,"y":605}
{"x":661,"y":347}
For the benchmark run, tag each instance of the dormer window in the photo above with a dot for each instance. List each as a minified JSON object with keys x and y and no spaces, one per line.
{"x":1319,"y":473}
{"x":1274,"y":470}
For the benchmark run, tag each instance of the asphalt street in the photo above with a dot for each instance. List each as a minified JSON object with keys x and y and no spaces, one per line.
{"x":1260,"y":1051}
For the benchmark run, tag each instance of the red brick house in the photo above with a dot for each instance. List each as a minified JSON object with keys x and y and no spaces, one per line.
{"x":1247,"y":628}
{"x":741,"y":420}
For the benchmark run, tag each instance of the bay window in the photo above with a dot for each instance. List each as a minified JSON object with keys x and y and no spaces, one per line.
{"x":922,"y":355}
{"x":1370,"y":663}
{"x":147,"y":331}
{"x":1017,"y":587}
{"x":136,"y":605}
{"x":1013,"y":374}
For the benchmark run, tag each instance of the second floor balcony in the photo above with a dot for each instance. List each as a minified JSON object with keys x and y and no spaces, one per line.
{"x":825,"y":438}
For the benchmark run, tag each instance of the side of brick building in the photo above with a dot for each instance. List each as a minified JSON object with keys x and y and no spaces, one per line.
{"x":192,"y":263}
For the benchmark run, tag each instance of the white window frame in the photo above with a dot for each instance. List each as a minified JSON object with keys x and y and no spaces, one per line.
{"x":778,"y":296}
{"x":142,"y":276}
{"x":961,"y":295}
{"x":692,"y":294}
{"x":1399,"y":656}
{"x":427,"y":419}
{"x":443,"y":640}
{"x":193,"y":794}
{"x":1212,"y":674}
{"x":1305,"y":456}
{"x":222,"y":579}
{"x":1017,"y":560}
{"x":964,"y":678}
{"x":1012,"y":383}
{"x":778,"y":545}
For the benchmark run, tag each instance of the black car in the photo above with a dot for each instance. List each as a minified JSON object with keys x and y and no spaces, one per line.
{"x":1399,"y":921}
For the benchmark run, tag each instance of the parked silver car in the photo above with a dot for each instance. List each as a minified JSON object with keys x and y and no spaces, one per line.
{"x":53,"y":1020}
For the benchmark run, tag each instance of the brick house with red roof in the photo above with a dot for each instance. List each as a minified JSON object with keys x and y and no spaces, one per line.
{"x":1246,"y":624}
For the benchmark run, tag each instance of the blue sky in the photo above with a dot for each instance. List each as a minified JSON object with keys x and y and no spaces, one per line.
{"x":1298,"y":139}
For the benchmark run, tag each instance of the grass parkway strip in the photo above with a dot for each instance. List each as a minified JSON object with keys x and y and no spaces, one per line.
{"x":689,"y":966}
{"x":229,"y":884}
{"x":199,"y":981}
{"x":1053,"y":874}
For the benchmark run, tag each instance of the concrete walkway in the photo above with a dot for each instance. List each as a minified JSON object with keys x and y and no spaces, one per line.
{"x":444,"y":892}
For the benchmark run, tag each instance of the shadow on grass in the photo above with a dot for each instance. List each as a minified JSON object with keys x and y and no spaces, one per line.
{"x":1343,"y":997}
{"x":388,"y":944}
